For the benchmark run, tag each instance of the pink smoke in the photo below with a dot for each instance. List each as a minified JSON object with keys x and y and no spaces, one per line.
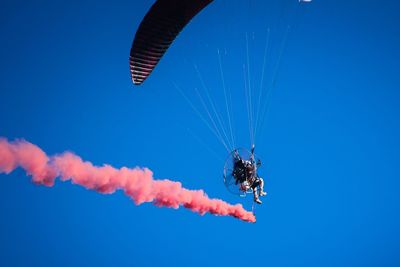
{"x":137,"y":183}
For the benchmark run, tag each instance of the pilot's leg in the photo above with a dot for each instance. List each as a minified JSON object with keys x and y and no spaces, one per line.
{"x":262,"y":193}
{"x":256,"y":198}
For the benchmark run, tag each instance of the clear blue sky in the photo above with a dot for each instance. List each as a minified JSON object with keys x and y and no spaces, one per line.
{"x":330,"y":144}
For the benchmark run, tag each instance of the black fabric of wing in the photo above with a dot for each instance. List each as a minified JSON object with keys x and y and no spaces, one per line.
{"x":159,"y":28}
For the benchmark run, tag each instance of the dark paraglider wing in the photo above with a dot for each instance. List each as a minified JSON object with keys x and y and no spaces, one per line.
{"x":159,"y":28}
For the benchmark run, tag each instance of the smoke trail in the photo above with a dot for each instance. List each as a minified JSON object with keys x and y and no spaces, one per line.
{"x":137,"y":183}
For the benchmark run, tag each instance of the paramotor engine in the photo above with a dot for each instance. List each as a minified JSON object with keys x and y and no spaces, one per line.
{"x":235,"y":178}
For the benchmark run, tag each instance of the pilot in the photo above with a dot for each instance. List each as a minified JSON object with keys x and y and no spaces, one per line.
{"x":245,"y":173}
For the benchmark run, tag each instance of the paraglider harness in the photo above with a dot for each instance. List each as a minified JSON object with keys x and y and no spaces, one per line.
{"x":245,"y":172}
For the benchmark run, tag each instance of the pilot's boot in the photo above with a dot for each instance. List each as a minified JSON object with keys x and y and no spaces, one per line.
{"x":262,"y":193}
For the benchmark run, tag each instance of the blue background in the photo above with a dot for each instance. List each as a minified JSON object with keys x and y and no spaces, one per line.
{"x":330,"y":144}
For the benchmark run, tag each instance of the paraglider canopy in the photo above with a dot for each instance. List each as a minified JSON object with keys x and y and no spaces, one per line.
{"x":159,"y":28}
